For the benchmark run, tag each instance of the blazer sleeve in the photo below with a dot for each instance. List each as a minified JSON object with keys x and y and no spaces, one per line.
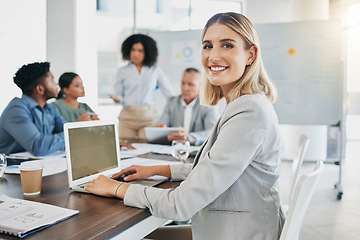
{"x":179,"y":172}
{"x":237,"y":142}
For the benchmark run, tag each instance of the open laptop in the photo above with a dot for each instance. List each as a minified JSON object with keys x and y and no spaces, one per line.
{"x":158,"y":135}
{"x":92,"y":149}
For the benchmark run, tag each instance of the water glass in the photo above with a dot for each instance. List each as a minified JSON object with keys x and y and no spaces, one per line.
{"x":180,"y":150}
{"x":2,"y":164}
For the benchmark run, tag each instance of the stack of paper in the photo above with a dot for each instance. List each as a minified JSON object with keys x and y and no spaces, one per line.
{"x":21,"y":217}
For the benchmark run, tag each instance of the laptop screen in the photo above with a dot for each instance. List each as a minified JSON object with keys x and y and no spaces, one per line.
{"x":93,"y":150}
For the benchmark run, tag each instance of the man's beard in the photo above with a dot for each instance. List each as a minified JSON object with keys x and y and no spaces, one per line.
{"x":48,"y":94}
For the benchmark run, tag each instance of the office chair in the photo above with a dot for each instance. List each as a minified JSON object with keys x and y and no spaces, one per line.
{"x":295,"y":167}
{"x":299,"y":203}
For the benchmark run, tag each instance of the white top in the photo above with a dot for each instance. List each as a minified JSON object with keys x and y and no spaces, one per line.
{"x":138,"y":89}
{"x":188,"y":110}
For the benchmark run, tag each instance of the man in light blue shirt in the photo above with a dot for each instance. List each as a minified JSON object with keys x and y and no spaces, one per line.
{"x":29,"y":123}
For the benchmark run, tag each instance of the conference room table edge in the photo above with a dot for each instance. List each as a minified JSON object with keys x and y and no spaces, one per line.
{"x":98,"y":218}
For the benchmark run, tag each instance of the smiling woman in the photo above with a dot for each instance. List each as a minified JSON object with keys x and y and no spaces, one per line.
{"x":232,"y":64}
{"x":234,"y":177}
{"x":225,"y":59}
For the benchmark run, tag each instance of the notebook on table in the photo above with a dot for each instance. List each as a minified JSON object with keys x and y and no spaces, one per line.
{"x":92,"y":149}
{"x":20,"y":217}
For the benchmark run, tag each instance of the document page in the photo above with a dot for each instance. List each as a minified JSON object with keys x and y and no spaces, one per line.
{"x":142,"y":148}
{"x":52,"y":166}
{"x":21,"y":217}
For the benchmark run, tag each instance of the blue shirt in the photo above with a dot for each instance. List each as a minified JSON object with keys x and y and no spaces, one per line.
{"x":138,"y":89}
{"x":25,"y":126}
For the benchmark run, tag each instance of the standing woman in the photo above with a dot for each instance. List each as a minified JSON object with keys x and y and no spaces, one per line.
{"x":231,"y":191}
{"x":71,"y":88}
{"x":136,"y":84}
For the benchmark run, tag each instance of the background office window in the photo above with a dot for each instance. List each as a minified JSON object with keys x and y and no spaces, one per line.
{"x":119,"y":19}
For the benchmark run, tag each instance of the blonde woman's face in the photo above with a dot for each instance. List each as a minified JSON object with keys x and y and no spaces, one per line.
{"x":224,"y":56}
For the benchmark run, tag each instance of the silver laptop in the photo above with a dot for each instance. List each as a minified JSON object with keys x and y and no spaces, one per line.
{"x":92,"y":149}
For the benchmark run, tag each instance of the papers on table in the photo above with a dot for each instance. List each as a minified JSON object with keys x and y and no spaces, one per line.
{"x":27,"y":155}
{"x":143,"y":148}
{"x":169,"y":149}
{"x":51,"y":166}
{"x":145,"y":162}
{"x":54,"y":163}
{"x":21,"y":217}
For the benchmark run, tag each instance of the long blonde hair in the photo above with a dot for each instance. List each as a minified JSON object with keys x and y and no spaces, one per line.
{"x":254,"y":79}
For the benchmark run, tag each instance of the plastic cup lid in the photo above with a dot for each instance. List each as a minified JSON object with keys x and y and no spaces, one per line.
{"x":31,"y":165}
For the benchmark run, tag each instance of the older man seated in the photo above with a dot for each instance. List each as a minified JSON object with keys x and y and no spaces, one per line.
{"x":185,"y":111}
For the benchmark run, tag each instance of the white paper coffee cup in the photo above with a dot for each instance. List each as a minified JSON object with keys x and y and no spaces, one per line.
{"x":31,"y":177}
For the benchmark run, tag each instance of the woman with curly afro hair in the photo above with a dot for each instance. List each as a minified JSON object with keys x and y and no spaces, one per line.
{"x":136,"y":84}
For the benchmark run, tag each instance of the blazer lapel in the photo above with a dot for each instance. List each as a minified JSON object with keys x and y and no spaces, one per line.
{"x":198,"y":154}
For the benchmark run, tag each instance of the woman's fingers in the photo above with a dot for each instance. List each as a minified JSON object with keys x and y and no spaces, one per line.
{"x":126,"y":171}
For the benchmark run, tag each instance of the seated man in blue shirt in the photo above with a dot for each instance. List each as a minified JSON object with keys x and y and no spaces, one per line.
{"x":29,"y":123}
{"x":186,"y":112}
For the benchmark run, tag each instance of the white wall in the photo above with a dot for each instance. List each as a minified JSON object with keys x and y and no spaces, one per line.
{"x":61,"y":32}
{"x":278,"y":11}
{"x":61,"y":17}
{"x":72,"y":42}
{"x":22,"y":40}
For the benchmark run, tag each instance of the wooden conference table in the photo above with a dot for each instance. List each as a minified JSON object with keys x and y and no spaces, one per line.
{"x":99,"y":217}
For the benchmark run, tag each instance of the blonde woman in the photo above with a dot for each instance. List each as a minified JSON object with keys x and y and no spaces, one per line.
{"x":231,"y":190}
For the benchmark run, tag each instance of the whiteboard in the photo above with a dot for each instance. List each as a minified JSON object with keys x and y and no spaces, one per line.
{"x":178,"y":50}
{"x":302,"y":59}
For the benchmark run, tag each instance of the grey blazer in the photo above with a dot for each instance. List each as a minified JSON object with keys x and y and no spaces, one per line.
{"x":202,"y":120}
{"x":232,"y":190}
